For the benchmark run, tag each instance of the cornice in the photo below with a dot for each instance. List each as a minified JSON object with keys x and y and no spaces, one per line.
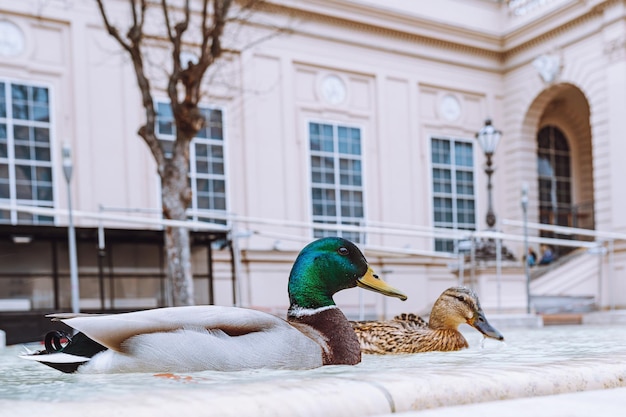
{"x":419,"y":31}
{"x":515,"y":48}
{"x":492,"y":53}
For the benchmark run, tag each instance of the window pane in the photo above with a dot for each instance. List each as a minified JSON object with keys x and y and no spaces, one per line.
{"x":453,"y":187}
{"x":322,"y":140}
{"x":351,"y":204}
{"x":44,"y":174}
{"x":165,"y":120}
{"x":322,"y":170}
{"x":324,"y":202}
{"x":562,"y":165}
{"x":336,"y":169}
{"x":42,"y":153}
{"x":220,"y":203}
{"x":554,"y":177}
{"x":202,"y":185}
{"x":44,"y":192}
{"x":349,"y":141}
{"x":204,"y":130}
{"x":442,"y":180}
{"x":440,"y":151}
{"x":465,"y":182}
{"x":19,"y":95}
{"x":42,"y":134}
{"x":27,"y":177}
{"x":215,"y":124}
{"x":3,"y":141}
{"x":21,"y":132}
{"x":3,"y":102}
{"x":22,"y":152}
{"x":41,"y":114}
{"x":465,"y":211}
{"x":350,"y":172}
{"x":463,"y":154}
{"x":4,"y":181}
{"x":443,"y":209}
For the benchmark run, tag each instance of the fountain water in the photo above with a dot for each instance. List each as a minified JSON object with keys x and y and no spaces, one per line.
{"x":532,"y":362}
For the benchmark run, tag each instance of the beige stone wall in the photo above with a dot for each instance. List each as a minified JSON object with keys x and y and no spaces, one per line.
{"x":400,"y":65}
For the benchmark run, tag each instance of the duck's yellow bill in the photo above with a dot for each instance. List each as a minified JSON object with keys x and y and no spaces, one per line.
{"x":370,"y":281}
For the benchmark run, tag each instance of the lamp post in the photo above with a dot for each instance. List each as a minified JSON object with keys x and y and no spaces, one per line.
{"x":525,"y":258}
{"x":71,"y":234}
{"x":488,"y":138}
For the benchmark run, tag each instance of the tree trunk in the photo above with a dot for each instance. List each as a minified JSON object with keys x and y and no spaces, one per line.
{"x":178,"y":261}
{"x":176,"y":195}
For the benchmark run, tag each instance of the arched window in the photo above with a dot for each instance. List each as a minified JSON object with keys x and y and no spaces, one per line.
{"x":555,"y":178}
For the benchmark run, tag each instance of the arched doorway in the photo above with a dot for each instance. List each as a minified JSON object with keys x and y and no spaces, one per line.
{"x":557,"y":124}
{"x":554,"y":176}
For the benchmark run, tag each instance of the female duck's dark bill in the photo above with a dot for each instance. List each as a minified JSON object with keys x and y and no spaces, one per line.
{"x":371,"y":282}
{"x":481,"y":324}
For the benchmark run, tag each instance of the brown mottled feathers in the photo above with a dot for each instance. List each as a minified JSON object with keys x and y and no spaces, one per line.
{"x":407,"y":333}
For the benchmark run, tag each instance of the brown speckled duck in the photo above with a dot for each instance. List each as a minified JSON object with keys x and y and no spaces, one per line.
{"x":408,"y":333}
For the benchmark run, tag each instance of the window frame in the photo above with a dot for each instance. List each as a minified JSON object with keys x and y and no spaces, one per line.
{"x":337,"y":220}
{"x":16,"y":217}
{"x":195,"y":213}
{"x":453,"y":195}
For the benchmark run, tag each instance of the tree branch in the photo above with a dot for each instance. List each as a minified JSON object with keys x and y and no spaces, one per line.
{"x":133,"y":47}
{"x":110,"y":28}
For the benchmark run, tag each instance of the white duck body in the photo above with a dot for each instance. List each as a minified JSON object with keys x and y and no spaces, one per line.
{"x":194,"y":338}
{"x":185,"y":339}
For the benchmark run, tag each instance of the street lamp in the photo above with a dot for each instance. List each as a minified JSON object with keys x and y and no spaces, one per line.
{"x":488,"y":138}
{"x":525,"y":258}
{"x":71,"y":234}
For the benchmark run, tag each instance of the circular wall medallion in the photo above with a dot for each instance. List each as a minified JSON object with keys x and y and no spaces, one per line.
{"x":11,"y":39}
{"x":450,"y":108}
{"x":333,"y":89}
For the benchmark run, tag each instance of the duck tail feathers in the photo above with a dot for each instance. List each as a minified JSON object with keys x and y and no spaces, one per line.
{"x":66,"y":316}
{"x":65,"y":353}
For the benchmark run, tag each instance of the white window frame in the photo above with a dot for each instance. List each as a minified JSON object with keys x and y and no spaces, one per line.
{"x":338,"y":219}
{"x":195,"y":213}
{"x":9,"y":121}
{"x":453,"y":195}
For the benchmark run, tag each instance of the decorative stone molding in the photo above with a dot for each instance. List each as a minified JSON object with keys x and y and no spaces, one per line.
{"x":549,"y":67}
{"x":503,"y":54}
{"x":523,"y":7}
{"x":615,"y":49}
{"x":333,"y":89}
{"x":12,"y":40}
{"x":449,"y":108}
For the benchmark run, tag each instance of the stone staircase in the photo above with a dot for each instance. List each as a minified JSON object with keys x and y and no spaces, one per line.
{"x":569,"y":285}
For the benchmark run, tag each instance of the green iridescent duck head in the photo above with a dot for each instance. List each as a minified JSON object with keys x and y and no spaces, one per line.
{"x":329,"y":265}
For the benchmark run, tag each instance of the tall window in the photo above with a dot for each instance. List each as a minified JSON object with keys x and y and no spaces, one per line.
{"x":336,"y":177}
{"x":453,"y":187}
{"x":555,"y":181}
{"x":206,"y":169}
{"x":25,"y":158}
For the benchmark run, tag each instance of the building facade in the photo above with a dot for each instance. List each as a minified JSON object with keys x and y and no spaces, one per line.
{"x":357,"y":115}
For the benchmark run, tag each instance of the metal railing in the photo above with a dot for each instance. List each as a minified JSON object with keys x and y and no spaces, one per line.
{"x":602,"y":242}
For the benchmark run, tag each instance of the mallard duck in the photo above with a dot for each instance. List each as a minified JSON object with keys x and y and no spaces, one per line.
{"x":196,"y":338}
{"x":408,"y":333}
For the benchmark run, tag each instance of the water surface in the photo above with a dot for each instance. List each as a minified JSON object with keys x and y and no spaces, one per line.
{"x":525,"y":352}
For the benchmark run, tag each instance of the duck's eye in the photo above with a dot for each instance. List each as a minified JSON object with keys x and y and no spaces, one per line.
{"x":342,"y":251}
{"x":460,"y":298}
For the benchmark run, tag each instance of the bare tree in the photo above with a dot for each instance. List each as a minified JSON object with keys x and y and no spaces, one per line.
{"x":182,"y":24}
